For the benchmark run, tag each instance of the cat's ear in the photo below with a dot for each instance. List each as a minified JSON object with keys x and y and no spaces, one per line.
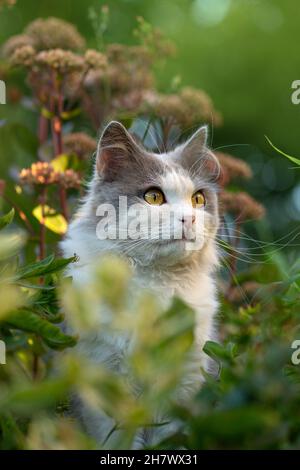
{"x":116,"y":150}
{"x":194,"y":148}
{"x":197,"y":142}
{"x":195,"y":155}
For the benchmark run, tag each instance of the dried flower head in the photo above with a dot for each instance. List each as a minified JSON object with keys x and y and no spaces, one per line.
{"x":60,"y":60}
{"x":23,"y":56}
{"x":69,"y":179}
{"x":80,"y":144}
{"x":129,"y":68}
{"x":40,"y":173}
{"x":185,"y":108}
{"x":232,"y":168}
{"x":54,"y":33}
{"x":95,"y":60}
{"x":242,"y":205}
{"x":15,"y":42}
{"x":128,"y":74}
{"x":7,"y":3}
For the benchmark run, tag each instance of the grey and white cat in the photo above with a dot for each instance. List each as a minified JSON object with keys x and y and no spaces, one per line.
{"x":182,"y":178}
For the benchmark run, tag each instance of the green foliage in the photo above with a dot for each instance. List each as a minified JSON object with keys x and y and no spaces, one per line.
{"x":252,"y":401}
{"x":290,"y":157}
{"x":6,"y":219}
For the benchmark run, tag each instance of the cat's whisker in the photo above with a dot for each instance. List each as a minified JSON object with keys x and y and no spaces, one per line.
{"x":260,"y":244}
{"x":231,"y":145}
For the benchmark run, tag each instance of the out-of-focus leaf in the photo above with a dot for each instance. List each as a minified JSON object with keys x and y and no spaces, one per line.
{"x":51,"y":219}
{"x":60,"y":163}
{"x":70,"y":114}
{"x":11,"y":435}
{"x":46,"y":113}
{"x":32,"y":398}
{"x":10,"y":245}
{"x":13,"y":299}
{"x":26,"y":320}
{"x":7,"y":219}
{"x":65,"y":161}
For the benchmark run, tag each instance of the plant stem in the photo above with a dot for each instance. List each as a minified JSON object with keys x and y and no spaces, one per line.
{"x":43,"y":129}
{"x":35,"y":366}
{"x":42,"y":244}
{"x":56,"y":126}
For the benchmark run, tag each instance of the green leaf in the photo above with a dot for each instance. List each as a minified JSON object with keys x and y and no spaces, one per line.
{"x":7,"y":219}
{"x":10,"y":245}
{"x":11,"y":435}
{"x":26,"y":320}
{"x":66,"y":115}
{"x":218,"y":352}
{"x":293,"y":159}
{"x":46,"y":113}
{"x":51,"y":219}
{"x":61,"y":162}
{"x":34,"y":269}
{"x":31,"y":398}
{"x":48,"y":265}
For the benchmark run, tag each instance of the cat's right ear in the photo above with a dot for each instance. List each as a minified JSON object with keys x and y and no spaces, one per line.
{"x":116,"y":150}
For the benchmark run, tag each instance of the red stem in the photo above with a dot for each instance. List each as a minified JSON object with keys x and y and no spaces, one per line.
{"x":43,"y":129}
{"x":56,"y":126}
{"x":43,"y":200}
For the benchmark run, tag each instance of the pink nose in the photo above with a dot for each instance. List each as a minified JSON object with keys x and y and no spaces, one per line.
{"x":188,"y":220}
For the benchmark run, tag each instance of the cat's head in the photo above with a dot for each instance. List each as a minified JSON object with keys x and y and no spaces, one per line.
{"x":155,"y":207}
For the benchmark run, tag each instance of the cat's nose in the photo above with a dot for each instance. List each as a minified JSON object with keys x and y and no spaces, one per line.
{"x":188,"y":220}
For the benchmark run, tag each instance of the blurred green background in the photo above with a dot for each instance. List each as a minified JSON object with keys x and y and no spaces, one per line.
{"x":243,"y":53}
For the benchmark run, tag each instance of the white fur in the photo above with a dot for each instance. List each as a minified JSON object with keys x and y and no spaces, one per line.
{"x":187,"y":275}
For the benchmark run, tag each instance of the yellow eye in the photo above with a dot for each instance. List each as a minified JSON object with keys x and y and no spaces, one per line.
{"x":154,"y":196}
{"x":198,"y":200}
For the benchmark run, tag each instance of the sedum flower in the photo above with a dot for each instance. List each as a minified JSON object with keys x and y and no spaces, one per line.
{"x":95,"y":60}
{"x":232,"y":168}
{"x":43,"y":173}
{"x":23,"y":56}
{"x":16,"y":42}
{"x":129,"y":67}
{"x":242,"y":205}
{"x":7,"y":3}
{"x":127,"y":76}
{"x":69,"y":179}
{"x":80,"y":144}
{"x":40,"y":173}
{"x":60,"y":60}
{"x":54,"y":33}
{"x":186,"y":108}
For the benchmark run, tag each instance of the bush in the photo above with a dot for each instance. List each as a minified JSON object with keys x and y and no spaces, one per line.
{"x":254,"y":401}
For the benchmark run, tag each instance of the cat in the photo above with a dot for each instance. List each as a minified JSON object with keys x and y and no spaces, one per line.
{"x":181,"y":181}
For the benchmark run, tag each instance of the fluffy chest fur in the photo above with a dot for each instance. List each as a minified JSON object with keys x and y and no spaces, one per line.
{"x":192,"y":280}
{"x":169,"y":240}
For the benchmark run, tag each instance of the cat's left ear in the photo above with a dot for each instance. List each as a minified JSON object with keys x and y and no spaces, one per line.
{"x":194,"y":153}
{"x":196,"y":143}
{"x":117,"y":150}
